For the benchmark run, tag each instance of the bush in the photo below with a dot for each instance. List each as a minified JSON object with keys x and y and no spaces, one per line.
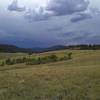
{"x":70,"y":55}
{"x":36,"y":60}
{"x":32,"y":61}
{"x":21,"y":60}
{"x":24,"y":59}
{"x":2,"y":63}
{"x":39,"y":60}
{"x":8,"y":61}
{"x":42,"y":60}
{"x":15,"y":61}
{"x":30,"y":53}
{"x":63,"y":58}
{"x":53,"y":58}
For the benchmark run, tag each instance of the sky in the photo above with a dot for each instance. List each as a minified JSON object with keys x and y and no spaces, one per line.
{"x":44,"y":23}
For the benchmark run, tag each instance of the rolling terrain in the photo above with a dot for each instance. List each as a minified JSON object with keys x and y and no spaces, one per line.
{"x":75,"y":79}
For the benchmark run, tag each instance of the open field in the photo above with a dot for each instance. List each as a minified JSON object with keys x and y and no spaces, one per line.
{"x":11,"y":55}
{"x":75,"y":79}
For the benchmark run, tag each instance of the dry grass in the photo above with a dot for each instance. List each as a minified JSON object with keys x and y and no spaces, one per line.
{"x":77,"y":79}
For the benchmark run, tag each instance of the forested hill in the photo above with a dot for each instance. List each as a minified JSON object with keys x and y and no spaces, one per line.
{"x":14,"y":49}
{"x":70,"y":47}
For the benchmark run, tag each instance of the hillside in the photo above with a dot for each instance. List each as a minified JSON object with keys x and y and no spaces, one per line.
{"x":13,"y":49}
{"x":76,"y":79}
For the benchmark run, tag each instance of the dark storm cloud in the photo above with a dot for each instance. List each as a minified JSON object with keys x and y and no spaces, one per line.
{"x":68,"y":34}
{"x":95,"y":11}
{"x":80,"y":37}
{"x":32,"y":15}
{"x":86,"y":40}
{"x":57,"y":28}
{"x":3,"y":33}
{"x":63,"y":7}
{"x":15,"y":29}
{"x":57,"y":8}
{"x":15,"y":7}
{"x":81,"y":17}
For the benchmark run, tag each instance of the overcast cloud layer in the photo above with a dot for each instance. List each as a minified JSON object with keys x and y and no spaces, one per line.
{"x":41,"y":24}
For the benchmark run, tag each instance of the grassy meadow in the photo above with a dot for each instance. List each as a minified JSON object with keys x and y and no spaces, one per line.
{"x":74,"y":79}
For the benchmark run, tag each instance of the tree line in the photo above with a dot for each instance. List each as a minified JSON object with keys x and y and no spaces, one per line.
{"x":36,"y":60}
{"x":15,"y":49}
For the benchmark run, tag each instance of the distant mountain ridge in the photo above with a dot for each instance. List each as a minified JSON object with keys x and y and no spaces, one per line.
{"x":14,"y":49}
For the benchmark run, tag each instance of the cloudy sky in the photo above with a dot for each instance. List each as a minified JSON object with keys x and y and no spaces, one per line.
{"x":42,"y":23}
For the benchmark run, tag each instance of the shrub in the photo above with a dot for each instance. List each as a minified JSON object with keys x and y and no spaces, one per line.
{"x":39,"y":60}
{"x":36,"y":60}
{"x":30,"y":53}
{"x":53,"y":58}
{"x":8,"y":61}
{"x":2,"y":63}
{"x":44,"y":60}
{"x":21,"y":60}
{"x":32,"y":61}
{"x":70,"y":55}
{"x":63,"y":58}
{"x":24,"y":59}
